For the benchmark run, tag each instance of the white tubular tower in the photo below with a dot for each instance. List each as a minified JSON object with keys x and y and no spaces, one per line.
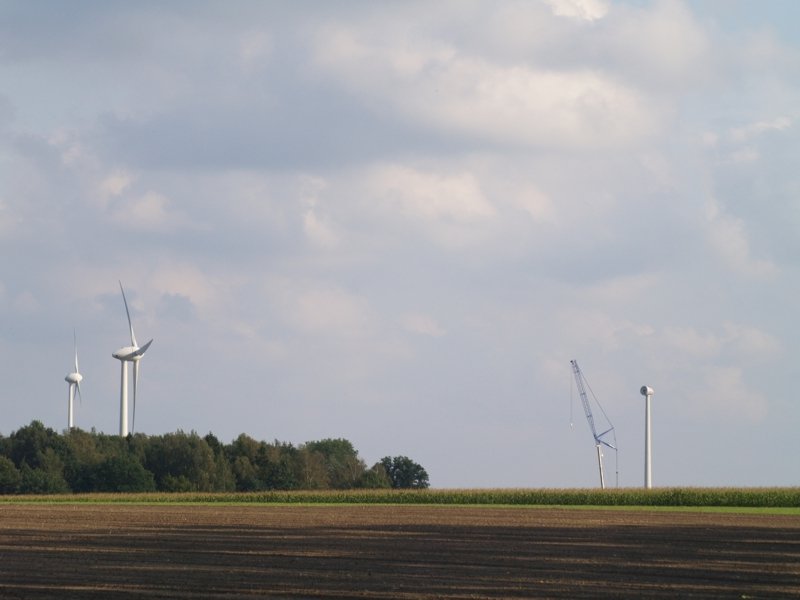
{"x":647,"y":392}
{"x":123,"y":399}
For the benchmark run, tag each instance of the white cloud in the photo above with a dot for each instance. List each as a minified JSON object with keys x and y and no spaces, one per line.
{"x":26,"y":303}
{"x":601,"y":329}
{"x":536,"y":203}
{"x":690,"y":344}
{"x":318,"y":231}
{"x":71,"y":149}
{"x":732,"y":342}
{"x":750,"y":342}
{"x":521,"y":105}
{"x":662,"y":45}
{"x":748,"y":132}
{"x":517,"y":104}
{"x":448,"y":207}
{"x":588,"y":10}
{"x":323,"y":310}
{"x":744,"y":155}
{"x":709,"y":139}
{"x":114,"y":184}
{"x":254,"y":48}
{"x":430,"y":196}
{"x":186,"y":279}
{"x":723,"y":392}
{"x":727,"y":236}
{"x":149,"y":212}
{"x":611,"y":292}
{"x":422,"y":324}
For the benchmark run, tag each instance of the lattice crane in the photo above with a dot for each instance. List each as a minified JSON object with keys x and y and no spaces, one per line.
{"x":599,"y":440}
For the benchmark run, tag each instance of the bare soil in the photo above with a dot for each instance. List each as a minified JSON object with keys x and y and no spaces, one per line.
{"x":136,"y":551}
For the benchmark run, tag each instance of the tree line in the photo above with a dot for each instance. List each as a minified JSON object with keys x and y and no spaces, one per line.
{"x":38,"y":460}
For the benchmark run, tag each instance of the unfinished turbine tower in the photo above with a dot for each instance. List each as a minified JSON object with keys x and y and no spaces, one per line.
{"x":647,"y":392}
{"x":132,"y":353}
{"x":599,"y":440}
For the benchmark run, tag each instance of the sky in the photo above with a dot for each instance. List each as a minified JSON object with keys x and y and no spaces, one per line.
{"x":398,"y":222}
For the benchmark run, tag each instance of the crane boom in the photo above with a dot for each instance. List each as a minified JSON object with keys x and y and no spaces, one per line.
{"x":598,"y":437}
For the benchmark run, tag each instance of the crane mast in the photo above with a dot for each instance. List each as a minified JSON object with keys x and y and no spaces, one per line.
{"x":599,"y":442}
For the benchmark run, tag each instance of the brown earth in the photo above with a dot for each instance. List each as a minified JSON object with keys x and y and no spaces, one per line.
{"x":110,"y":551}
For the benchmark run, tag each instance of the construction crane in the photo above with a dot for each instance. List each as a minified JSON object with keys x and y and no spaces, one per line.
{"x":599,"y":440}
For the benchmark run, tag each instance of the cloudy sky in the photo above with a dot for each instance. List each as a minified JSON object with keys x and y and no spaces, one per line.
{"x":398,"y":222}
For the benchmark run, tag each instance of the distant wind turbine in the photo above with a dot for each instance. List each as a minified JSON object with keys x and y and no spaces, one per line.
{"x":132,"y":353}
{"x":74,"y":380}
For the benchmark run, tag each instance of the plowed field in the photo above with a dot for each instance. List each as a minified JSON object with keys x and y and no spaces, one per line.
{"x":111,"y":551}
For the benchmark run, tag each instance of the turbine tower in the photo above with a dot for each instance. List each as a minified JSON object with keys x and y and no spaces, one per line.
{"x":74,"y":380}
{"x":132,"y":353}
{"x":647,"y":392}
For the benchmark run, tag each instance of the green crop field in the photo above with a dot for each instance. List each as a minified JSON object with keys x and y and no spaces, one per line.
{"x":786,"y":499}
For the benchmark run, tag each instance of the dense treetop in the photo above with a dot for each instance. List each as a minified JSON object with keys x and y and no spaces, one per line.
{"x":38,"y":460}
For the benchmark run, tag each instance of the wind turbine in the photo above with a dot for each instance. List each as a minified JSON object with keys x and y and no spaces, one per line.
{"x":132,"y":353}
{"x":74,"y":380}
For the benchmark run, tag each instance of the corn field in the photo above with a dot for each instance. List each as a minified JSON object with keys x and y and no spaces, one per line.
{"x":778,"y":497}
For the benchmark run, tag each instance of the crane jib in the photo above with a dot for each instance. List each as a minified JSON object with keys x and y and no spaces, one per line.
{"x":579,"y":381}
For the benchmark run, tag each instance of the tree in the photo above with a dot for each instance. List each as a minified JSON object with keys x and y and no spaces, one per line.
{"x":123,"y":473}
{"x":83,"y":458}
{"x":244,"y":446}
{"x":29,"y":443}
{"x":41,"y":481}
{"x":404,"y":472}
{"x":313,"y":469}
{"x":277,"y":466}
{"x":9,"y":476}
{"x":180,"y":462}
{"x":344,"y":467}
{"x":245,"y":475}
{"x":37,"y":459}
{"x":375,"y":477}
{"x":222,"y":479}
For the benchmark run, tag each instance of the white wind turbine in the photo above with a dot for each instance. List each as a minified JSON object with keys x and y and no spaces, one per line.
{"x":132,"y":353}
{"x":74,"y":380}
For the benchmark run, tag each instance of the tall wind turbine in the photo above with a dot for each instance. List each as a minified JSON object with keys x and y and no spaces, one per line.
{"x":132,"y":353}
{"x":74,"y":380}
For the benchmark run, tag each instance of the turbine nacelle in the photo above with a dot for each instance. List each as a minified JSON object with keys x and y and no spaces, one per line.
{"x":131,"y":353}
{"x":646,"y":391}
{"x":75,"y":378}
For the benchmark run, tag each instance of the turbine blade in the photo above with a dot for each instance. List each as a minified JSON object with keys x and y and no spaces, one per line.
{"x":75,"y":340}
{"x":135,"y":384}
{"x":127,"y":312}
{"x":143,"y":349}
{"x":80,"y":398}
